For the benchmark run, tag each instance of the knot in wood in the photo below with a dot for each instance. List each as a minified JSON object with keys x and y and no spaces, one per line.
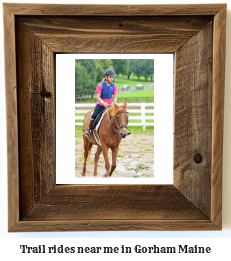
{"x":198,"y":158}
{"x":46,"y":94}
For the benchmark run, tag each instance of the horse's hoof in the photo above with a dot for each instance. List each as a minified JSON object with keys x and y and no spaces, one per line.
{"x":83,"y":173}
{"x":95,"y":174}
{"x":106,"y":176}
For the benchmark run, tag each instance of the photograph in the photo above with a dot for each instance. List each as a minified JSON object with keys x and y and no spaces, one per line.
{"x":114,"y":118}
{"x":105,"y":121}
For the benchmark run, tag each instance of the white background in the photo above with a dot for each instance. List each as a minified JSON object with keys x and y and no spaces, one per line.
{"x":218,"y":240}
{"x":65,"y":124}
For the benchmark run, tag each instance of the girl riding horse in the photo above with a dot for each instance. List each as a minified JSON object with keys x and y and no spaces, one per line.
{"x":105,"y":90}
{"x":112,"y":130}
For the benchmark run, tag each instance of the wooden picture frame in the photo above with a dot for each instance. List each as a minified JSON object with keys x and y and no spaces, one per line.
{"x":33,"y":34}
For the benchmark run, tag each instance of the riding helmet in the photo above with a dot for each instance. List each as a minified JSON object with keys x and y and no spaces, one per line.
{"x":110,"y":72}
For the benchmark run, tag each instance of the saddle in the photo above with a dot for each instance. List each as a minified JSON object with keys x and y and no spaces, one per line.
{"x":96,"y":125}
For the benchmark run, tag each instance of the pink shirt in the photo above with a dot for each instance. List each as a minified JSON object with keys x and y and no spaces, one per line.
{"x":107,"y":100}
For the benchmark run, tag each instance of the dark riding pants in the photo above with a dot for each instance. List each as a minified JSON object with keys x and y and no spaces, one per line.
{"x":98,"y":109}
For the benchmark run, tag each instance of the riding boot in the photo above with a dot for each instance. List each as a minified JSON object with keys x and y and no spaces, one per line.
{"x":87,"y":132}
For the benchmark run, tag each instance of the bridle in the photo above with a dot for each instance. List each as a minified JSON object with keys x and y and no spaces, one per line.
{"x":118,"y":125}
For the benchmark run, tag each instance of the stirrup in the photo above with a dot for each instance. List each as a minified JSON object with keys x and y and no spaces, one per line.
{"x":87,"y":134}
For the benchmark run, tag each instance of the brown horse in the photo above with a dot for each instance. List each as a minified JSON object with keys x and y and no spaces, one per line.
{"x":111,"y":131}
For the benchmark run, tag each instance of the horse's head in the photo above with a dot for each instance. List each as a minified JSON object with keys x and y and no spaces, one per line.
{"x":120,"y":117}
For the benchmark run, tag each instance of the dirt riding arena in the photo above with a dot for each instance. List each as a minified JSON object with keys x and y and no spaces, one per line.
{"x":135,"y":158}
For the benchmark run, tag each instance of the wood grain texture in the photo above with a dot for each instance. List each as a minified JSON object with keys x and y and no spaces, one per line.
{"x":218,"y":115}
{"x":11,"y":115}
{"x":75,"y":34}
{"x":194,"y":201}
{"x":114,"y":202}
{"x":111,"y":207}
{"x":36,"y":106}
{"x":193,"y":113}
{"x":114,"y":225}
{"x":115,"y":10}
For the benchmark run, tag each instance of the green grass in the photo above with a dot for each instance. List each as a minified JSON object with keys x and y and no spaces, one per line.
{"x":134,"y":77}
{"x":139,"y":130}
{"x":133,"y":82}
{"x":78,"y":131}
{"x":134,"y":129}
{"x":141,"y":93}
{"x":136,"y":96}
{"x":129,"y":169}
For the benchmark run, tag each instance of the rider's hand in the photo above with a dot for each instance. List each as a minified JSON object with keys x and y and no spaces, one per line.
{"x":106,"y":105}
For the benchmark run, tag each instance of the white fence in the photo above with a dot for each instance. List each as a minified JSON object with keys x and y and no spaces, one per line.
{"x":132,"y":89}
{"x":84,"y":108}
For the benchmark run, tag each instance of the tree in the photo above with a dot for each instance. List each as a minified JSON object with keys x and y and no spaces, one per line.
{"x":106,"y":63}
{"x":100,"y":71}
{"x":142,"y":67}
{"x":90,"y":65}
{"x":136,"y":67}
{"x":81,"y":79}
{"x":121,"y":66}
{"x":85,"y":77}
{"x":148,"y":68}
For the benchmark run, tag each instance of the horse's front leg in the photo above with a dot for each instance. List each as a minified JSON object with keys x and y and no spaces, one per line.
{"x":97,"y":154}
{"x":107,"y":163}
{"x":114,"y":157}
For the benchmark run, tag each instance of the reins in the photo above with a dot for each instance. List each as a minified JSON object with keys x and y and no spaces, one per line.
{"x":118,"y":126}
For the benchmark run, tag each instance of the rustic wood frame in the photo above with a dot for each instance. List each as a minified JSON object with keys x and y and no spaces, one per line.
{"x":33,"y":33}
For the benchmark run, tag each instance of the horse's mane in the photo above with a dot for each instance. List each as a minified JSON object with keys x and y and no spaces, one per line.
{"x":115,"y":109}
